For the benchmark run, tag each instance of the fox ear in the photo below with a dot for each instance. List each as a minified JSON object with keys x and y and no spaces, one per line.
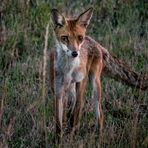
{"x":84,"y":18}
{"x":57,"y":18}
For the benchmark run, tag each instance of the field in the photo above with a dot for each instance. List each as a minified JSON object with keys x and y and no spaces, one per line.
{"x":26,"y":104}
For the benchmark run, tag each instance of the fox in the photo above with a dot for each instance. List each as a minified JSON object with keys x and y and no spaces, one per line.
{"x":75,"y":58}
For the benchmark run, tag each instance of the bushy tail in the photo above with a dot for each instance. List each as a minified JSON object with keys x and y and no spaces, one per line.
{"x":115,"y":68}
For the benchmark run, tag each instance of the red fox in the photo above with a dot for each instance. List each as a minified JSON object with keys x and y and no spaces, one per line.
{"x":74,"y":58}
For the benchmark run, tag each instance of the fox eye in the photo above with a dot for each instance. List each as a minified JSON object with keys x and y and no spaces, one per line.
{"x":80,"y":38}
{"x":64,"y":38}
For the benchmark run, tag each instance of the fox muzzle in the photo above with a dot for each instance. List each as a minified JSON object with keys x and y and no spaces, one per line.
{"x":74,"y":54}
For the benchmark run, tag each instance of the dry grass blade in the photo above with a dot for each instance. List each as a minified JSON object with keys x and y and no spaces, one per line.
{"x":1,"y":109}
{"x":44,"y":79}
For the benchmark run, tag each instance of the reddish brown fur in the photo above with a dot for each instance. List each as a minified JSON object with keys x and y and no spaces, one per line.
{"x":93,"y":59}
{"x":72,"y":30}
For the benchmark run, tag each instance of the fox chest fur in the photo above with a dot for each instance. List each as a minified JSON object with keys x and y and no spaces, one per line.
{"x":68,"y":70}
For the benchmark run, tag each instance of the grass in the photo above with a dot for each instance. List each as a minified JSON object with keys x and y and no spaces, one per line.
{"x":119,"y":26}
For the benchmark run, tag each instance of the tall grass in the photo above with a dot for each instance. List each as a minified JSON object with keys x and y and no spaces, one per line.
{"x":120,"y":26}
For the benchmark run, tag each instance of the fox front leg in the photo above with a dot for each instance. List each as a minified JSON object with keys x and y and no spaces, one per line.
{"x":58,"y":110}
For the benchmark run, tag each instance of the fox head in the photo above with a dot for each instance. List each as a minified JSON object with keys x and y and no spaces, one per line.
{"x":70,"y":33}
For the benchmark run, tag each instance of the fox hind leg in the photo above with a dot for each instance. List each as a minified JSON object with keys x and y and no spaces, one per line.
{"x":75,"y":118}
{"x":71,"y":103}
{"x":97,"y":101}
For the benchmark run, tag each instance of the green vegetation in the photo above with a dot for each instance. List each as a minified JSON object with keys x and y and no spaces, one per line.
{"x":25,"y":119}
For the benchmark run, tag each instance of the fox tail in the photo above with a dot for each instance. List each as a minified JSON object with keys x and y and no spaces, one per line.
{"x":115,"y":68}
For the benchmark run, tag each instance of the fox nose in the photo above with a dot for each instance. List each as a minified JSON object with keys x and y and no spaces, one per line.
{"x":74,"y":54}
